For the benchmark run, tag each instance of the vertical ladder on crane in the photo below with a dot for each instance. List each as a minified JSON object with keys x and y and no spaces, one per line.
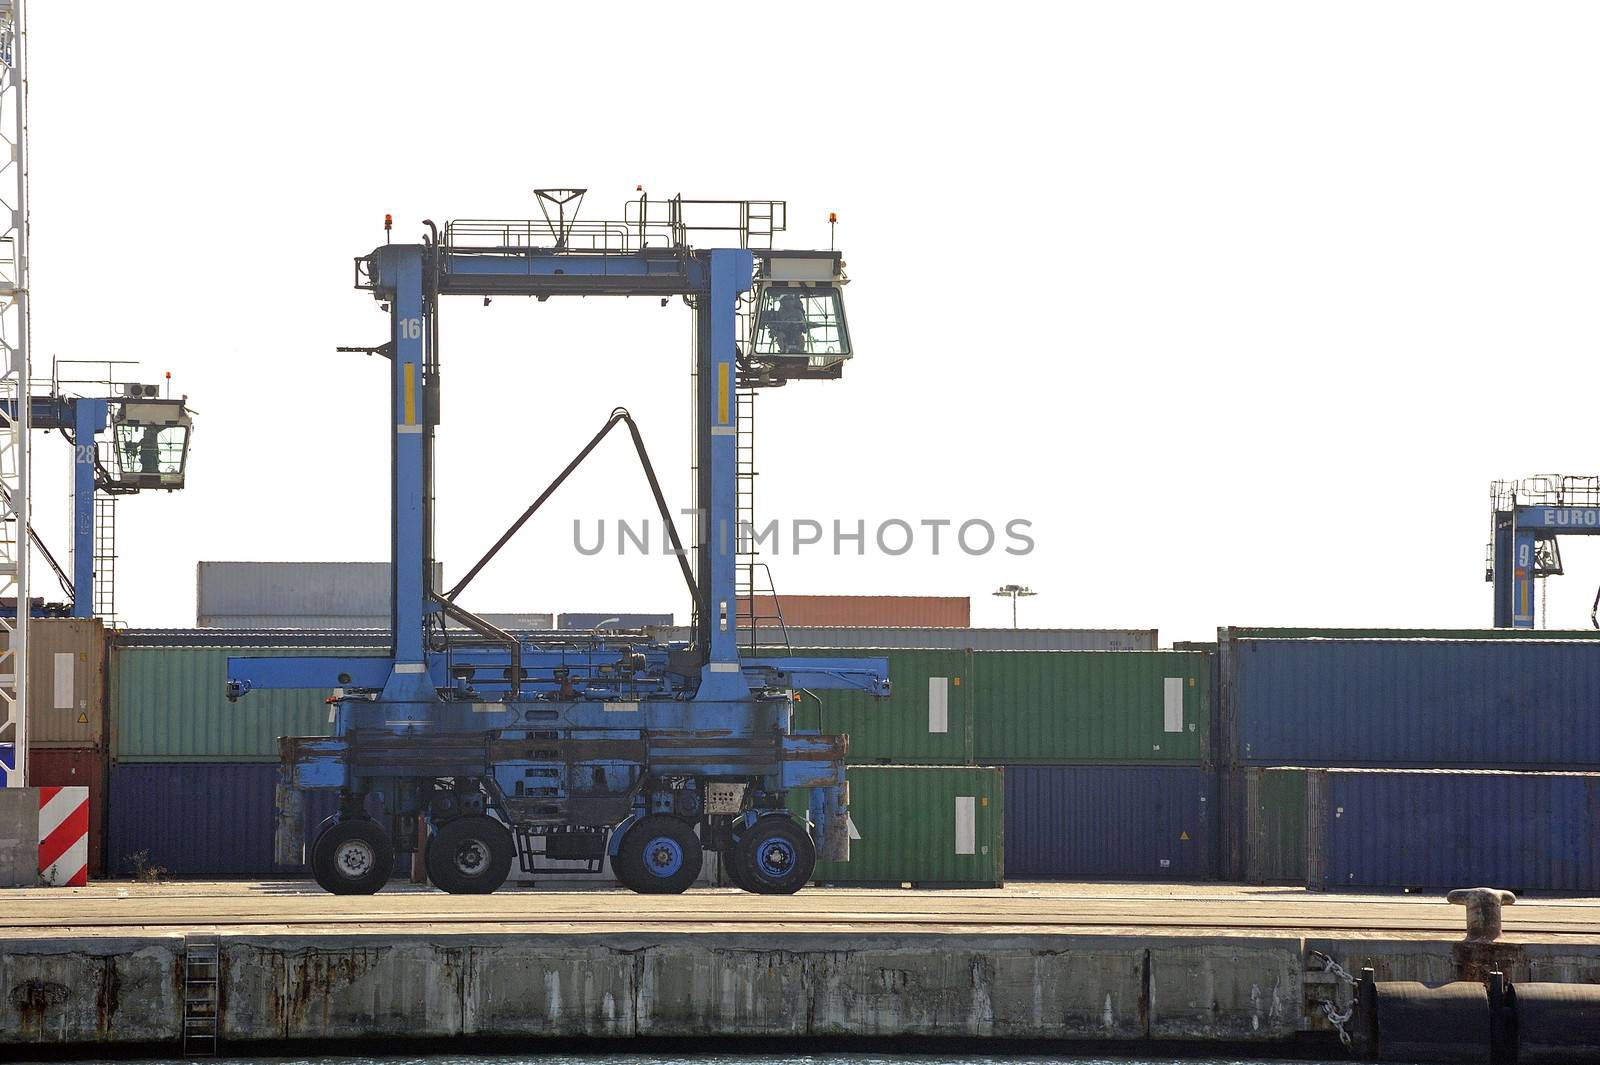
{"x":105,"y":557}
{"x":758,"y":610}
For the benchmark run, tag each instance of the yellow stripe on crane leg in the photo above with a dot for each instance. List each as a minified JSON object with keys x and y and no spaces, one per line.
{"x":722,"y":393}
{"x":411,"y":393}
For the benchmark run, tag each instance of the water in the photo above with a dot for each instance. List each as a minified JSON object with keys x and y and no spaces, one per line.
{"x":728,"y":1059}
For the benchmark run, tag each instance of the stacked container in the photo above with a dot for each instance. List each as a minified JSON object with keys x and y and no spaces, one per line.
{"x":67,"y":716}
{"x":937,"y":611}
{"x":1377,"y":759}
{"x":1060,"y":764}
{"x":193,"y":775}
{"x":933,"y":638}
{"x":1107,"y":758}
{"x":1106,"y":754}
{"x":921,"y":826}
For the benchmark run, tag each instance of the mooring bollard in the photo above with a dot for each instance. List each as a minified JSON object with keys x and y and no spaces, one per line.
{"x":1483,"y":910}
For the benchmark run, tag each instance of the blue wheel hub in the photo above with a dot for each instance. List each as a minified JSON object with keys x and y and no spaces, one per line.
{"x":776,"y":857}
{"x":663,"y":857}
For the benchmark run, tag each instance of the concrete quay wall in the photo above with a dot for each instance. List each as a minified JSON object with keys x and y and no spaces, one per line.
{"x":287,"y":988}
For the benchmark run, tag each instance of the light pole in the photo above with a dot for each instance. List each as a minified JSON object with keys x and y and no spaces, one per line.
{"x":1015,"y":591}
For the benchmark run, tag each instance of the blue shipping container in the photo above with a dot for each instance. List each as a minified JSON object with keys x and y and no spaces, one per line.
{"x":1439,"y":829}
{"x":1422,"y":703}
{"x":1129,"y":822}
{"x":202,"y":820}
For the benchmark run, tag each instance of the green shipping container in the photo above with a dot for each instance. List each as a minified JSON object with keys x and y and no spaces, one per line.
{"x":169,"y":704}
{"x":1064,"y":707}
{"x":1275,"y":825}
{"x":925,"y":721}
{"x":927,"y":826}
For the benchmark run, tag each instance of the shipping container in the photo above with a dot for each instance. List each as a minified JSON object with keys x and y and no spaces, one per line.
{"x":1274,"y":840}
{"x":612,"y":621}
{"x":68,"y":767}
{"x":924,"y":722}
{"x":960,"y":708}
{"x":302,"y":641}
{"x":927,"y":826}
{"x":1416,"y":703}
{"x":216,"y":821}
{"x":360,"y":623}
{"x":1068,"y":822}
{"x":1431,"y":829}
{"x":66,"y":682}
{"x":201,"y":821}
{"x":1091,"y":707}
{"x":311,"y":595}
{"x":921,"y":611}
{"x":933,"y":639}
{"x":169,"y":704}
{"x":1250,"y":632}
{"x":520,"y":622}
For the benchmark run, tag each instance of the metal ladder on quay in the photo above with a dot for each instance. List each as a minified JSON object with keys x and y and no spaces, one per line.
{"x":202,"y":973}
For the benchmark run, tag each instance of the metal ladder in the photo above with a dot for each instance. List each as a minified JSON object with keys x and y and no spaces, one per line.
{"x":105,"y":557}
{"x":202,"y":971}
{"x":749,"y":617}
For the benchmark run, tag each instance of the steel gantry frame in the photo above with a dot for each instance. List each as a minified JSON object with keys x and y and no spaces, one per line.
{"x":608,"y":741}
{"x":14,"y":384}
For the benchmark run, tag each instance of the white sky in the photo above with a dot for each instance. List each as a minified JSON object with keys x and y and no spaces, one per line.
{"x":1243,"y":305}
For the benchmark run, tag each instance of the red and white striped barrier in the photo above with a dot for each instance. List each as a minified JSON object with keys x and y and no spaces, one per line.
{"x":64,"y":836}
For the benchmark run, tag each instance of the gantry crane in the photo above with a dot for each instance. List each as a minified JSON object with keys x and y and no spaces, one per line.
{"x":488,"y":747}
{"x":148,"y":449}
{"x":1526,"y":517}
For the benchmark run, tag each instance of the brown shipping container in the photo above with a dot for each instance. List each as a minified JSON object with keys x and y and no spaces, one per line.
{"x":920,"y":611}
{"x":66,"y":682}
{"x":67,"y":767}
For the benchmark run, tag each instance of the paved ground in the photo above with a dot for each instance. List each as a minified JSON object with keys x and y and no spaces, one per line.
{"x":113,"y":909}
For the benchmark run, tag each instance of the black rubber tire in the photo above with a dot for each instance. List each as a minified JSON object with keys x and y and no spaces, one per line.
{"x":660,"y":855}
{"x":470,"y":856}
{"x":309,"y":844}
{"x":726,"y":844}
{"x":352,"y":857}
{"x":775,"y":856}
{"x":622,"y":873}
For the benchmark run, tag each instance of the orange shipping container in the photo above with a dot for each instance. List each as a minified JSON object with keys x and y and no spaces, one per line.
{"x":917,"y":611}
